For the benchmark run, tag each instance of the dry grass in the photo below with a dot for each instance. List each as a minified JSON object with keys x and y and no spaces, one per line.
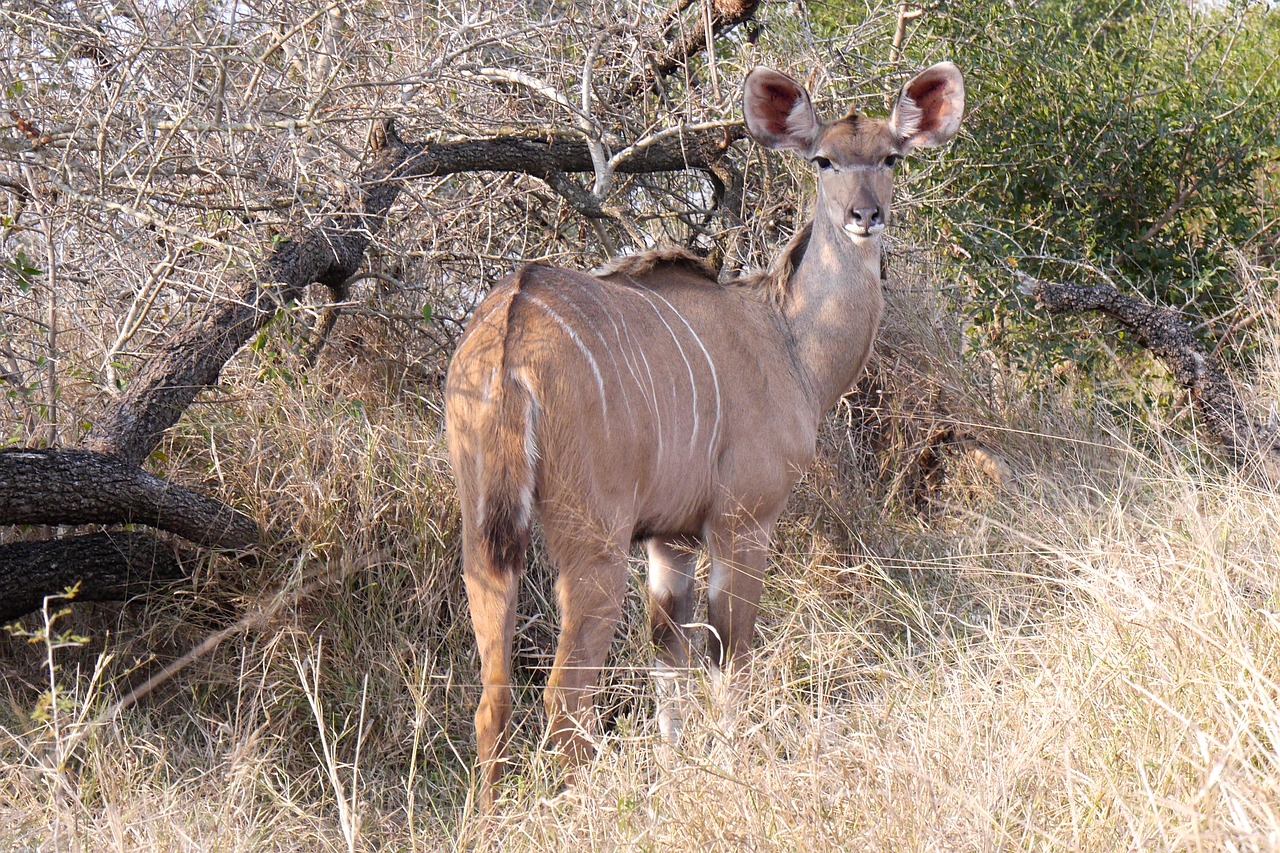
{"x":1081,"y":659}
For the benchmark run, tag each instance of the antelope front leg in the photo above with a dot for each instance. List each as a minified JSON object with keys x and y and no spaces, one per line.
{"x":672,"y":563}
{"x":739,"y":553}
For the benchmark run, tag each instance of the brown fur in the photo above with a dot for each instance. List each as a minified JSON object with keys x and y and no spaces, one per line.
{"x":644,"y":264}
{"x":647,"y":401}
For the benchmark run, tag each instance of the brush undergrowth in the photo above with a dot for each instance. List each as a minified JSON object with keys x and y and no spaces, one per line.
{"x":1081,"y":657}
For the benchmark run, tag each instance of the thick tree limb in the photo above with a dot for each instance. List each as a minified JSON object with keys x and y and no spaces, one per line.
{"x":676,"y":150}
{"x":82,"y":487}
{"x":1250,"y":445}
{"x":107,"y":567}
{"x":193,"y":359}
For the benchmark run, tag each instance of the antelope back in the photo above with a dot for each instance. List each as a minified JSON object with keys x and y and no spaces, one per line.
{"x":628,"y":388}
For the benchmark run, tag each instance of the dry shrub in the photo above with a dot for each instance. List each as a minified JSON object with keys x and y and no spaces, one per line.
{"x":1078,"y":659}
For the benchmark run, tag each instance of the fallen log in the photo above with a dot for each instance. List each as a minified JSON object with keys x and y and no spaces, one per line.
{"x":99,"y":566}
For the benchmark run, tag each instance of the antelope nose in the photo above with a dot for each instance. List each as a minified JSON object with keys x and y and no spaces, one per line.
{"x":866,"y":218}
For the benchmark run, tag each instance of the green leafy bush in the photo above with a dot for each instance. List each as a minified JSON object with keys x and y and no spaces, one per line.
{"x":1127,"y":138}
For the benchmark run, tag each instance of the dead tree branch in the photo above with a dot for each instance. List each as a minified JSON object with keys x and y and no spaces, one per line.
{"x":102,"y":567}
{"x":82,"y":487}
{"x":675,"y":44}
{"x":193,"y":359}
{"x":1249,"y":444}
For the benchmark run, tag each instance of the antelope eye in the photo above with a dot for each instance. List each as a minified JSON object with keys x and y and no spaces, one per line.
{"x":892,"y":160}
{"x":821,"y":162}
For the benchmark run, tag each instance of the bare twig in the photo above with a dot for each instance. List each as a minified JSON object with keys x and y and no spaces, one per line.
{"x":18,"y":188}
{"x":905,"y":13}
{"x":138,"y":310}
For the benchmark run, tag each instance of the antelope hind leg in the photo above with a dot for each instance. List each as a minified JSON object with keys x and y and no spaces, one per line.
{"x":739,"y":554}
{"x":591,"y":591}
{"x":491,"y":595}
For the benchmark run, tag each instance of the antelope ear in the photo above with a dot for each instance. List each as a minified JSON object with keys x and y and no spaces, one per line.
{"x":778,"y":111}
{"x":929,"y":108}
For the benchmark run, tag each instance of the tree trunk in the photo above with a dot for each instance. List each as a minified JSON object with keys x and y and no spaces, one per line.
{"x":63,"y":487}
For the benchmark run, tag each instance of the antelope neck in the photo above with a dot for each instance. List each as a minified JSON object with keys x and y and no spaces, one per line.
{"x":833,"y":309}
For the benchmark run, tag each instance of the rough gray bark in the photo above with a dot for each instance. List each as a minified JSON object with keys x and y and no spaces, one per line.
{"x":60,"y":487}
{"x":106,"y":566}
{"x":1250,"y":445}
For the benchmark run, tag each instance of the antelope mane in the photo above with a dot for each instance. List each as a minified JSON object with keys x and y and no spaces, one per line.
{"x":774,"y":283}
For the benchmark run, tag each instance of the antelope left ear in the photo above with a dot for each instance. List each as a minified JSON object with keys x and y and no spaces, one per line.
{"x":929,"y":108}
{"x":778,"y":111}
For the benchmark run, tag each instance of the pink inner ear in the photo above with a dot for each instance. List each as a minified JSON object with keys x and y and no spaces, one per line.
{"x":779,"y":100}
{"x":930,"y":96}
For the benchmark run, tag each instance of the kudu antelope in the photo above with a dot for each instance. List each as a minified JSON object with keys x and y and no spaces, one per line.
{"x":649,"y":403}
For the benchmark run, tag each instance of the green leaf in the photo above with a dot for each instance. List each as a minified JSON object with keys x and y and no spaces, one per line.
{"x":21,"y":266}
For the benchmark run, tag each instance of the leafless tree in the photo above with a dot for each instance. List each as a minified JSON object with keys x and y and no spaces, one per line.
{"x":176,"y":176}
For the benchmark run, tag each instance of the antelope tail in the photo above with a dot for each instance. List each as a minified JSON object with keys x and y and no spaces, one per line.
{"x":506,"y":474}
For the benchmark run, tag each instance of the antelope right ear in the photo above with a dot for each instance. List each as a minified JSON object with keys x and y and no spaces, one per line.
{"x":930,"y":107}
{"x":778,"y":111}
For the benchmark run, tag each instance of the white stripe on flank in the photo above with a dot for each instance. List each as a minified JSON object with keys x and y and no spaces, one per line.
{"x":613,"y":358}
{"x":657,"y":407}
{"x":591,"y":359}
{"x":629,"y":358}
{"x":629,"y":350}
{"x":715,"y":380}
{"x":649,"y":394}
{"x":693,"y":385}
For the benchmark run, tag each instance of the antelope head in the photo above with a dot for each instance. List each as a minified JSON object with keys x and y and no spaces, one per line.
{"x":855,"y":156}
